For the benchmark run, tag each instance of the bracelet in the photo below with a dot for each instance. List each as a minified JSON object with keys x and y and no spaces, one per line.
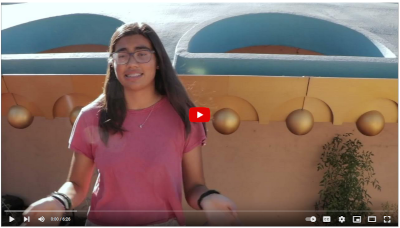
{"x":209,"y":192}
{"x":64,"y":199}
{"x":59,"y":200}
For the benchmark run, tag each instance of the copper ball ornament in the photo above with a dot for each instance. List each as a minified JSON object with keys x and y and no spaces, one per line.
{"x":74,"y":114}
{"x":371,"y":123}
{"x":19,"y":117}
{"x":226,"y":121}
{"x":300,"y":122}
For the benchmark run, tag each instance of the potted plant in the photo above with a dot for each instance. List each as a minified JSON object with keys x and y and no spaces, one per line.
{"x":347,"y":173}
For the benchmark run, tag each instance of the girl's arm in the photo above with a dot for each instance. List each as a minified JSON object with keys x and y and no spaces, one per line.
{"x":79,"y":178}
{"x":193,"y":177}
{"x":75,"y":188}
{"x":194,"y":186}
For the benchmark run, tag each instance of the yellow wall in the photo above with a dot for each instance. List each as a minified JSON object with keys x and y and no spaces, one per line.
{"x":262,"y":98}
{"x":260,"y":166}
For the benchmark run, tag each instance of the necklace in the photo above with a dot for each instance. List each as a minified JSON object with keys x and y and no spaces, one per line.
{"x":141,"y":125}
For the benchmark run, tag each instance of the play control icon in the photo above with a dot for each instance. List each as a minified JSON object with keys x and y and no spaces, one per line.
{"x":41,"y":219}
{"x":371,"y":218}
{"x":342,"y":219}
{"x":386,"y":219}
{"x":311,"y":219}
{"x":326,"y":219}
{"x":357,"y":219}
{"x":10,"y":219}
{"x":199,"y":114}
{"x":27,"y":219}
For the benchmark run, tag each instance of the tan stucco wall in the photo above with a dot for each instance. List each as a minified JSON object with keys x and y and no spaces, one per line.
{"x":260,"y":167}
{"x":254,"y":98}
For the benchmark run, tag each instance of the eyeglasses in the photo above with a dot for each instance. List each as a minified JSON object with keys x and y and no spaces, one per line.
{"x":141,"y":56}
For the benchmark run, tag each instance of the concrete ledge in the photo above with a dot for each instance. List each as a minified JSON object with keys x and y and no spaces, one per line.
{"x":212,"y":64}
{"x":285,"y":65}
{"x":64,"y":63}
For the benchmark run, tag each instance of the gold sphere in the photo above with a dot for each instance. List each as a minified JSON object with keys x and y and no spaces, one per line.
{"x":371,"y":123}
{"x":226,"y":121}
{"x":19,"y":117}
{"x":74,"y":114}
{"x":300,"y":122}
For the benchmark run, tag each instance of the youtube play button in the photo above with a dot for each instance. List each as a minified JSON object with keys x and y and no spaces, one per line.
{"x":199,"y":114}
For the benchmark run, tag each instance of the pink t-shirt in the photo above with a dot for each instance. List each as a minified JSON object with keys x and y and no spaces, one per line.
{"x":140,"y":174}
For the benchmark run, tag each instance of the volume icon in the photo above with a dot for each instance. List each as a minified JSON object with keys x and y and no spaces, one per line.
{"x":41,"y":219}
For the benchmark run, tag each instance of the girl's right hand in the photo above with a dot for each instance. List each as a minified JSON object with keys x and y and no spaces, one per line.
{"x":49,"y":204}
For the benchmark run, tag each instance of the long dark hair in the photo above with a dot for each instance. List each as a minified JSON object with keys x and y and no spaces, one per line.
{"x":113,"y":104}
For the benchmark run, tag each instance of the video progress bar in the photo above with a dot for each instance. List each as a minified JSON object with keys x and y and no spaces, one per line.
{"x":252,"y":211}
{"x":42,"y":210}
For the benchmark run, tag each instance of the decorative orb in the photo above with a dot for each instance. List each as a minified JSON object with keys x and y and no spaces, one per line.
{"x":19,"y":117}
{"x":74,"y":114}
{"x":371,"y":123}
{"x":300,"y":122}
{"x":226,"y":121}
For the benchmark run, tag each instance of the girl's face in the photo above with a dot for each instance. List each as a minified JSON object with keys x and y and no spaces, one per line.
{"x":135,"y":75}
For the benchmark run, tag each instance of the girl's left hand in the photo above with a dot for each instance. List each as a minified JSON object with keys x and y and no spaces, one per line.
{"x":214,"y":202}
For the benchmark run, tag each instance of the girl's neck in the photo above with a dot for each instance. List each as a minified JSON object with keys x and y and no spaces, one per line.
{"x":141,"y":99}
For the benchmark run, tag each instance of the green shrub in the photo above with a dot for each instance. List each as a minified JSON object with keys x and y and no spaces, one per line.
{"x":348,"y":172}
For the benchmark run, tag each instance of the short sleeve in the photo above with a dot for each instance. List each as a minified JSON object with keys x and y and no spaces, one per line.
{"x":80,"y":138}
{"x":197,"y":137}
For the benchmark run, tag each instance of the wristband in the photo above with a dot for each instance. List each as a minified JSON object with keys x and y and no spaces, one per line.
{"x":59,"y":200}
{"x":209,"y":192}
{"x":64,"y":199}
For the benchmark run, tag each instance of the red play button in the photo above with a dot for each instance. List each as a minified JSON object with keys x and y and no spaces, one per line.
{"x":199,"y":114}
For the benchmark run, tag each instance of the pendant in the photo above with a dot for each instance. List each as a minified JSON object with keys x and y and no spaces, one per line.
{"x":140,"y":126}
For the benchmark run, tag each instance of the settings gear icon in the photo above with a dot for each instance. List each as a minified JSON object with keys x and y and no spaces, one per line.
{"x":342,"y":219}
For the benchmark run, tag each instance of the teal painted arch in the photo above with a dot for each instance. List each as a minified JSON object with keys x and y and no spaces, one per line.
{"x":60,"y":31}
{"x":325,"y":37}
